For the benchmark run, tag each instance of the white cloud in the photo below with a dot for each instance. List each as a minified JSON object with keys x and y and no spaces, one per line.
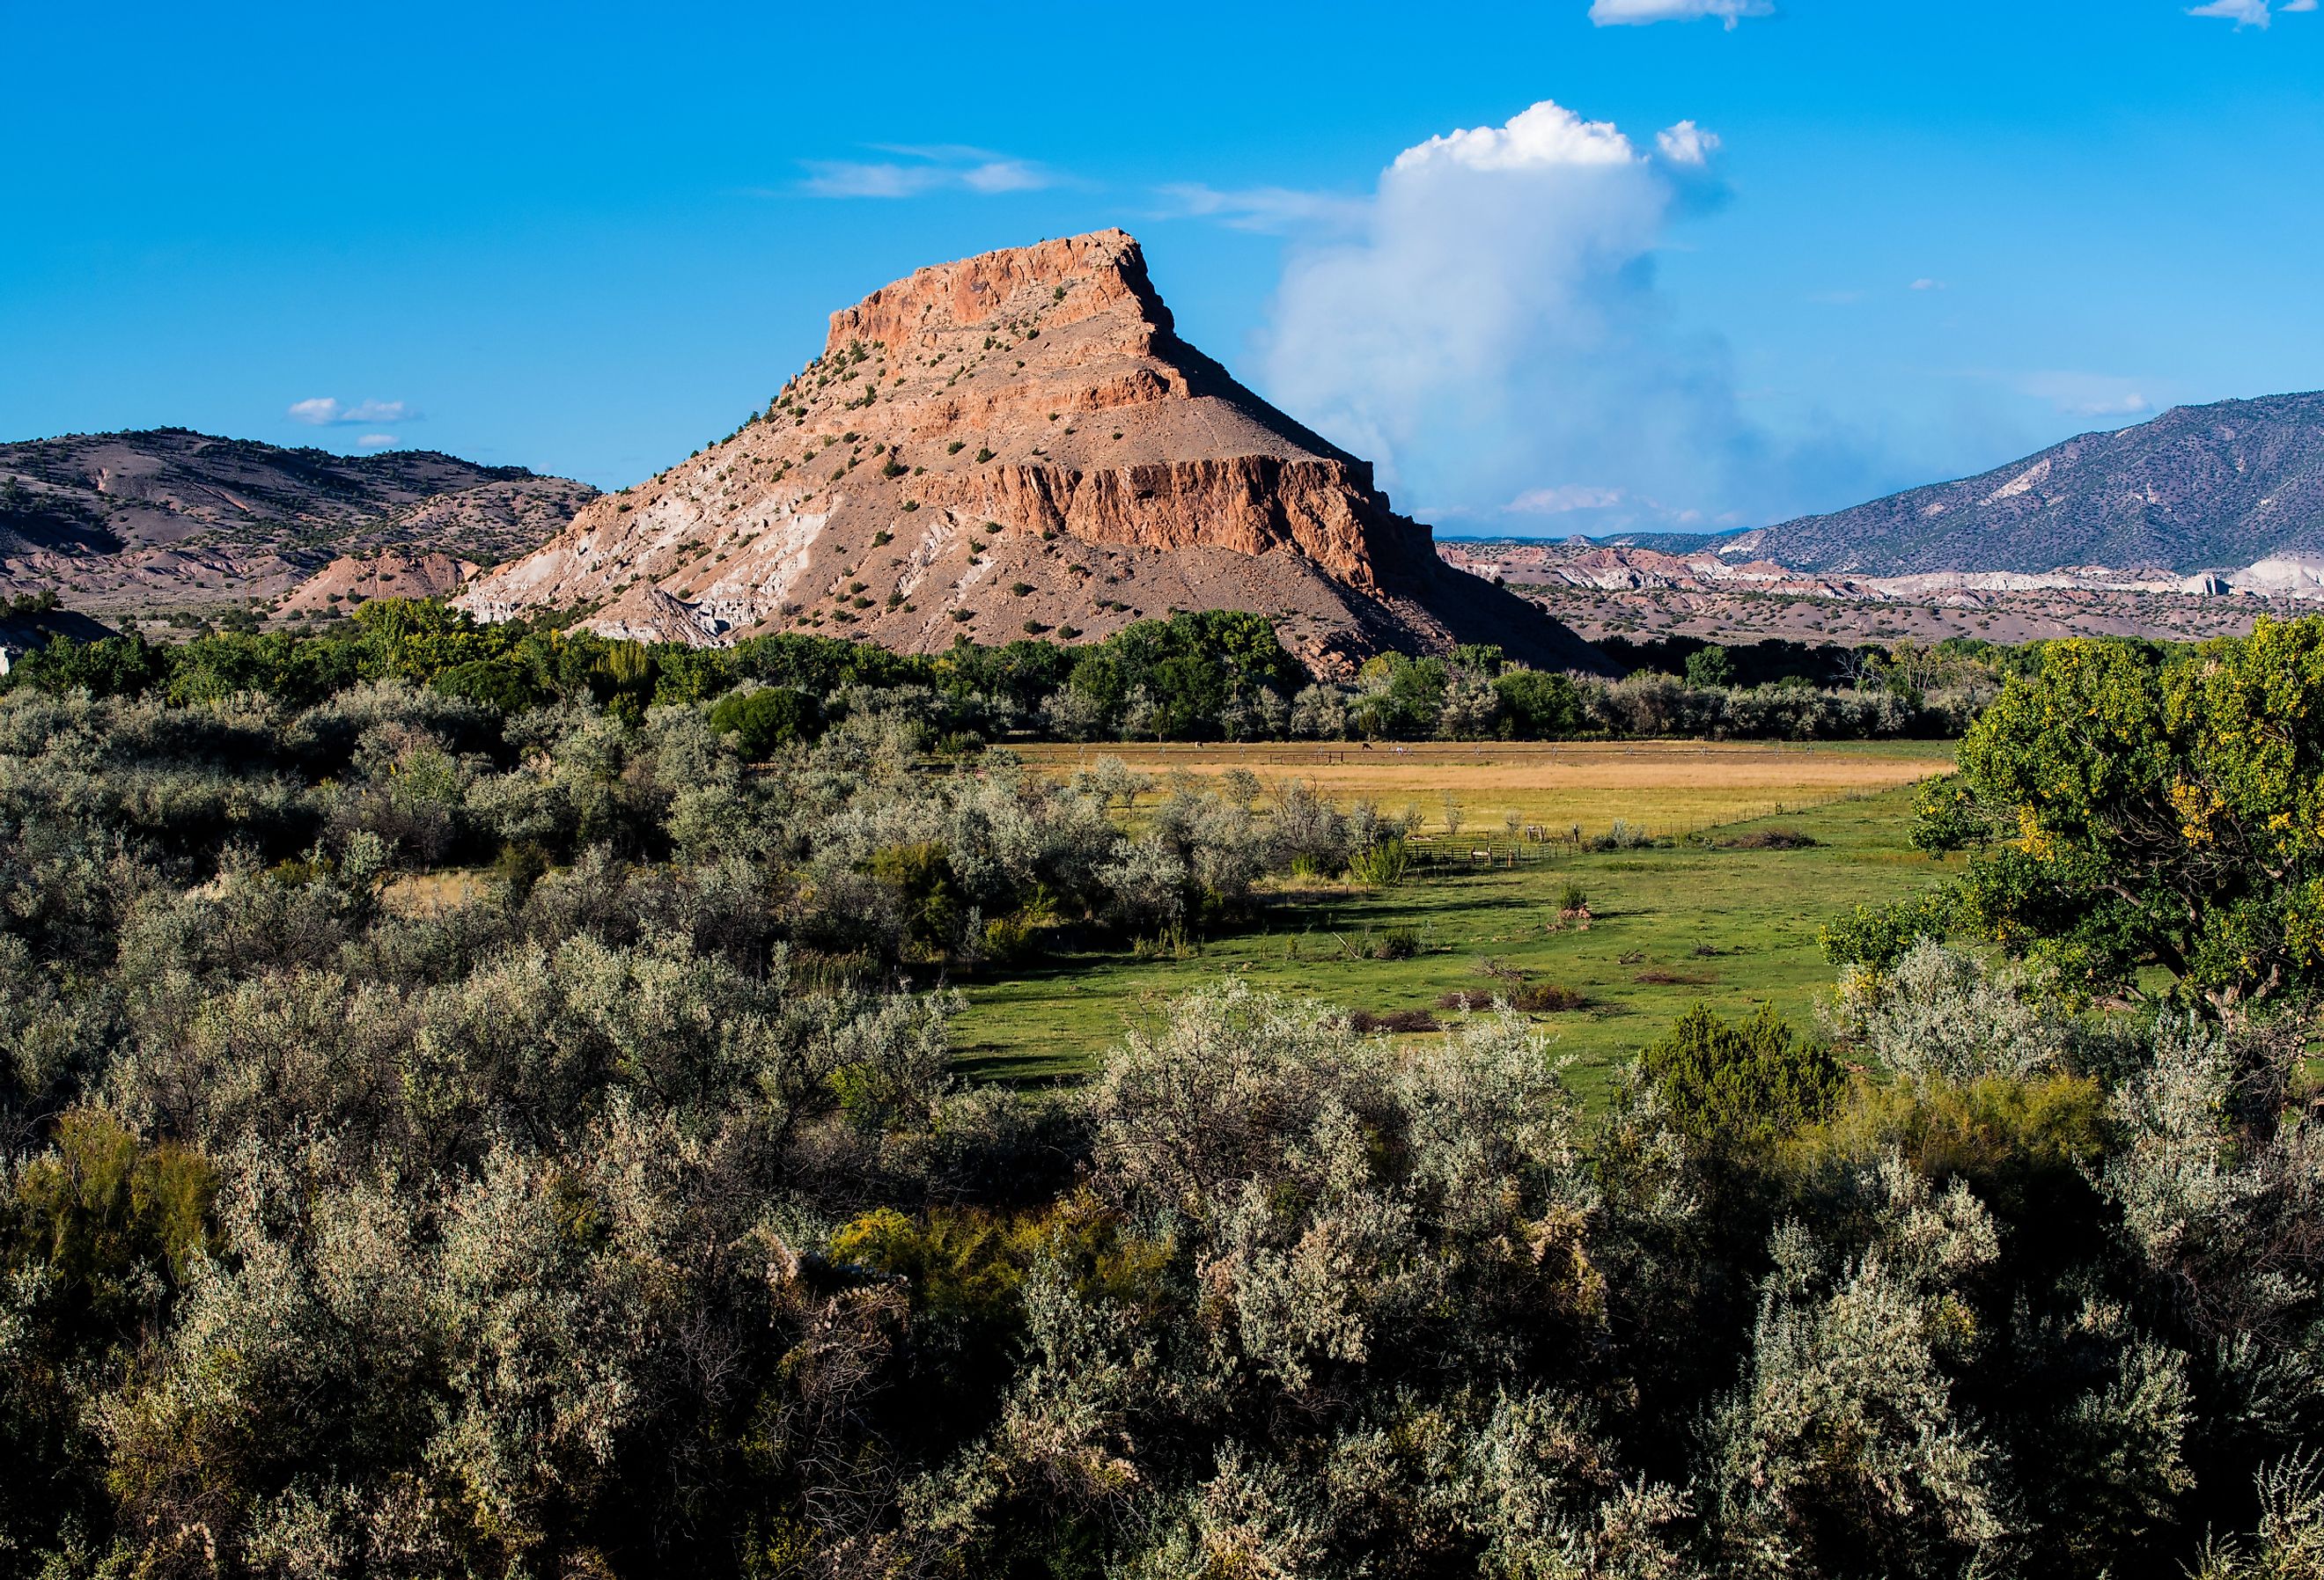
{"x":375,"y":442}
{"x":325,"y":412}
{"x":1546,"y":136}
{"x":2244,"y":14}
{"x":1639,"y":13}
{"x":1491,"y":319}
{"x":1564,"y":499}
{"x":1687,"y":144}
{"x":917,"y":170}
{"x":1924,"y":283}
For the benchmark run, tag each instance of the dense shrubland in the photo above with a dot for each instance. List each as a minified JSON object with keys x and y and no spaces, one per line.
{"x":619,"y":1214}
{"x":1213,"y":676}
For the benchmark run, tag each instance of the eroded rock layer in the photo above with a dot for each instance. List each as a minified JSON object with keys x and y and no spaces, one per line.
{"x":1016,"y":444}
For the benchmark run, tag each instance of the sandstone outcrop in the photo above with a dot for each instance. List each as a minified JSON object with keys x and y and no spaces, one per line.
{"x":1016,"y":444}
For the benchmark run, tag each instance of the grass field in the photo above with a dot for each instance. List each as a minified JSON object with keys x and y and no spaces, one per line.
{"x":1697,"y":920}
{"x":1669,"y":787}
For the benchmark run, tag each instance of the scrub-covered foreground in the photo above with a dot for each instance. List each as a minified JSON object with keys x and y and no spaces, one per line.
{"x":616,"y":1213}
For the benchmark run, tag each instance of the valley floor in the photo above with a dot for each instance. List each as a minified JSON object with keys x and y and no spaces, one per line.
{"x":1706,"y":918}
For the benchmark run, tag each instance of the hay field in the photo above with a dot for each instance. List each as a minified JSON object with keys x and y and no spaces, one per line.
{"x":1669,"y":787}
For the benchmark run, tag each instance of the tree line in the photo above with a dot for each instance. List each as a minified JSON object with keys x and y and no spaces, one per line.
{"x":1215,"y":675}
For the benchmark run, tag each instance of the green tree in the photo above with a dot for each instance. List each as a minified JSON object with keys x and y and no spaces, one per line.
{"x":1538,"y":706}
{"x":1711,"y":667}
{"x":2127,"y":812}
{"x":926,"y":891}
{"x":762,"y":720}
{"x":111,"y":666}
{"x":500,"y":684}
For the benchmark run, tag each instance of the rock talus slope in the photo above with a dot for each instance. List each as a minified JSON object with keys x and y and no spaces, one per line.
{"x":1017,"y":444}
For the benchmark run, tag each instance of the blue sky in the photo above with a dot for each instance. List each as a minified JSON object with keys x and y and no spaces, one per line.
{"x":1556,"y":271}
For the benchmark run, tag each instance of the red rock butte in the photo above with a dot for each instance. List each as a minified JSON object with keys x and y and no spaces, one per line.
{"x":1016,"y":444}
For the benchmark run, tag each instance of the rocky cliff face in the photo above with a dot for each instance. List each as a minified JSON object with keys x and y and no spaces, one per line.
{"x":1016,"y":444}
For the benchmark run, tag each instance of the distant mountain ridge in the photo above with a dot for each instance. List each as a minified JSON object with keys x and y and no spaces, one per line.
{"x":2200,"y":487}
{"x":145,"y":520}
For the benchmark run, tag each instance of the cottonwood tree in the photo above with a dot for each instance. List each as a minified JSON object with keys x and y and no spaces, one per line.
{"x":2124,"y":813}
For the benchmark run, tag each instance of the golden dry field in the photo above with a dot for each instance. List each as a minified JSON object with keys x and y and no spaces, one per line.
{"x":1667,"y":787}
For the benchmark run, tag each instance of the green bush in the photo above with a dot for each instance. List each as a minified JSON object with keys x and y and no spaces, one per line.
{"x":1382,"y":865}
{"x":1878,"y":936}
{"x":1741,"y":1084}
{"x":106,"y":1213}
{"x":1396,"y":943}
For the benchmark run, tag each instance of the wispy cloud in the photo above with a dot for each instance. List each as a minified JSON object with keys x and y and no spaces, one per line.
{"x":1272,"y":209}
{"x":326,"y":411}
{"x":2088,"y":394}
{"x":1563,"y":500}
{"x":1598,"y":513}
{"x":375,"y":442}
{"x":1925,"y":284}
{"x":1640,"y":13}
{"x":2247,"y":13}
{"x":914,"y":171}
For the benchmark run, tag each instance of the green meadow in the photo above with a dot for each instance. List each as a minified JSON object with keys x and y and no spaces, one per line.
{"x":1727,"y":917}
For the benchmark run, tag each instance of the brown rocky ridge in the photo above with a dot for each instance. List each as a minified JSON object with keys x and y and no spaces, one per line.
{"x":1017,"y":444}
{"x":351,"y":580}
{"x":165,"y":519}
